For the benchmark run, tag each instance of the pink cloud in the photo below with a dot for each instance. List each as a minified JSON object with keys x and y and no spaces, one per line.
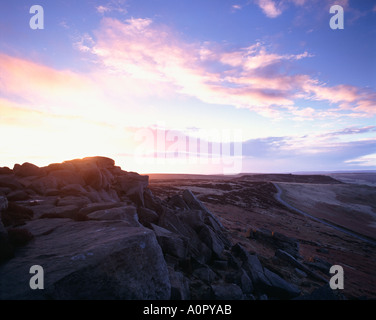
{"x":269,"y":7}
{"x":348,"y":97}
{"x":333,"y":94}
{"x":97,"y":96}
{"x":38,"y":84}
{"x":143,"y":50}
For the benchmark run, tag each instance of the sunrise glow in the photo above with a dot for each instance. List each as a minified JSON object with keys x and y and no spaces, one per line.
{"x":264,"y":86}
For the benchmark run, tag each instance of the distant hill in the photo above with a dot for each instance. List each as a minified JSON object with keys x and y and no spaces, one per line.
{"x":365,"y":178}
{"x":320,"y":179}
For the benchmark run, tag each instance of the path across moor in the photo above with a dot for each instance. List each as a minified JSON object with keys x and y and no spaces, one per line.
{"x":334,"y":226}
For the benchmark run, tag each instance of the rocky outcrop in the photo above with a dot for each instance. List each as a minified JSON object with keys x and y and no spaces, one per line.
{"x":100,"y":233}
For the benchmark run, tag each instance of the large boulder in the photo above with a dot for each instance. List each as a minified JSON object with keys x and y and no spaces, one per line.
{"x":18,"y":195}
{"x":129,"y":180}
{"x":5,"y":170}
{"x":107,"y":178}
{"x":195,"y":204}
{"x":16,"y":214}
{"x":179,"y":285}
{"x":44,"y":184}
{"x":205,"y":274}
{"x":171,"y":243}
{"x":245,"y":282}
{"x":172,"y":221}
{"x":152,"y":202}
{"x":253,"y":267}
{"x":27,"y":170}
{"x":280,"y":288}
{"x":147,"y":216}
{"x":177,"y":202}
{"x":10,"y":181}
{"x":66,"y":177}
{"x":212,"y":240}
{"x":133,"y":186}
{"x":91,"y":171}
{"x":240,"y":278}
{"x":92,"y":176}
{"x":90,"y":260}
{"x":73,"y":190}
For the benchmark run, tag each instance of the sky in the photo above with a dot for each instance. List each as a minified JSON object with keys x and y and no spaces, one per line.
{"x":176,"y":86}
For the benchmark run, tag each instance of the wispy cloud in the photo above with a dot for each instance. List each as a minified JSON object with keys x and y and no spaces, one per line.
{"x":64,"y":24}
{"x":112,"y":6}
{"x":84,"y":43}
{"x":255,"y":57}
{"x":368,"y":160}
{"x":315,"y":152}
{"x":103,"y":9}
{"x":351,"y":131}
{"x":236,"y":7}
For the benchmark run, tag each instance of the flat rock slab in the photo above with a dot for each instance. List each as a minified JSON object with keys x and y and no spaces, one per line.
{"x":88,"y":260}
{"x":127,"y":214}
